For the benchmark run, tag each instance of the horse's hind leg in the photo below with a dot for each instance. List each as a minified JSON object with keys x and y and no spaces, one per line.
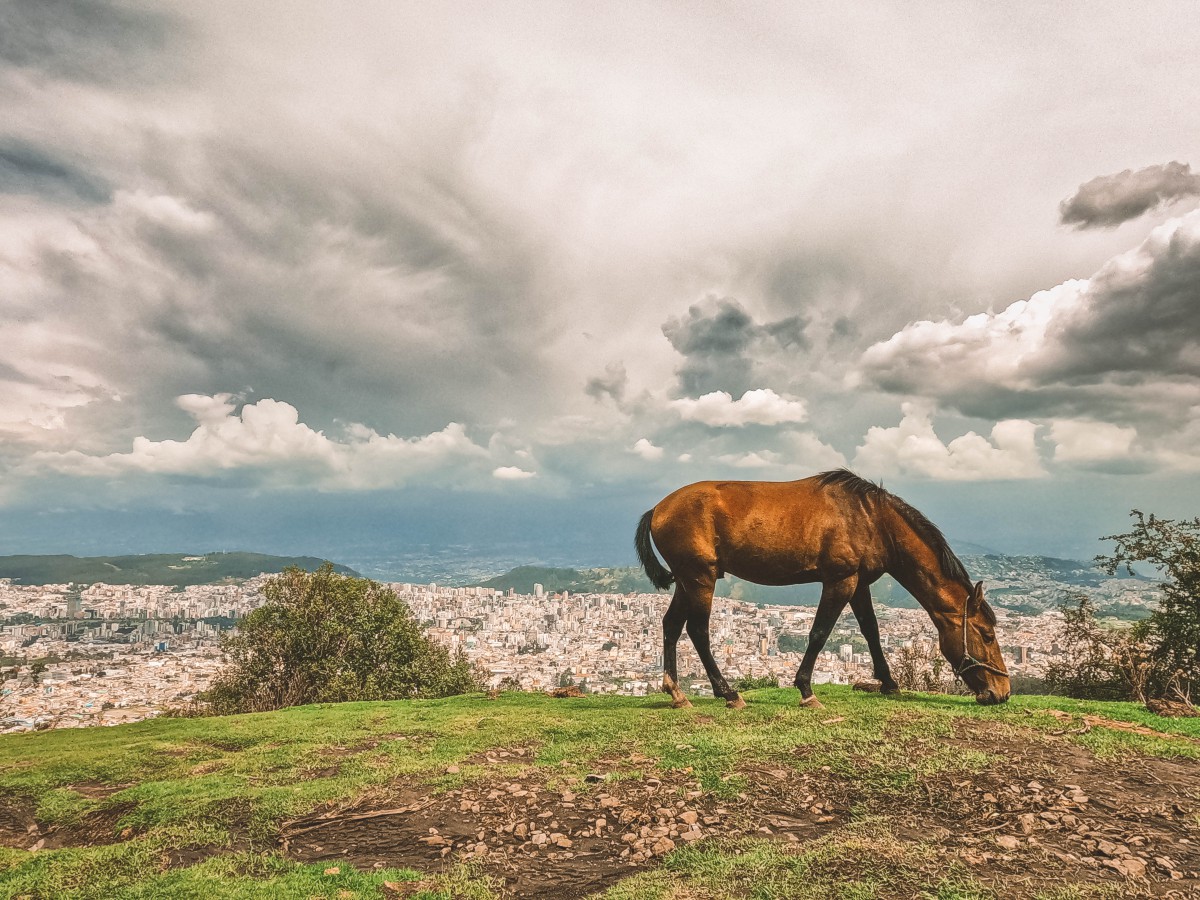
{"x":699,"y":613}
{"x":673,"y":621}
{"x":864,"y":611}
{"x":834,"y":597}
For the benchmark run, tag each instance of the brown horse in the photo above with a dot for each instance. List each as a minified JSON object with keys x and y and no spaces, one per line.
{"x":835,"y":528}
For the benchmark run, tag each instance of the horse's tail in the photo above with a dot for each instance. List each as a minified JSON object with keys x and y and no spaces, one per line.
{"x":658,"y":574}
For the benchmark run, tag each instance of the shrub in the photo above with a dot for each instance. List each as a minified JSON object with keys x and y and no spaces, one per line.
{"x":323,"y":637}
{"x":1099,"y":663}
{"x":1172,"y":633}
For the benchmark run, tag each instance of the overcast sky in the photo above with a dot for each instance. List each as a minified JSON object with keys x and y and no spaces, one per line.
{"x":540,"y":256}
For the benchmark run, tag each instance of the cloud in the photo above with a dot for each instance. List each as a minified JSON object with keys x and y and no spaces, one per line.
{"x":512,"y":473}
{"x":1109,"y":200}
{"x":912,"y":448}
{"x":720,"y":342}
{"x":267,"y":443}
{"x":88,"y":40}
{"x":754,"y":459}
{"x":25,"y":169}
{"x":1100,"y":446}
{"x":758,"y":407}
{"x":611,"y":384}
{"x":647,"y":450}
{"x":1121,"y":345}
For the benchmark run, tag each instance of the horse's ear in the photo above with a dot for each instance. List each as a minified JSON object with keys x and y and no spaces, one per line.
{"x":975,"y":601}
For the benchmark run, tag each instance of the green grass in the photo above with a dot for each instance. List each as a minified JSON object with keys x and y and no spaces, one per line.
{"x":227,"y":783}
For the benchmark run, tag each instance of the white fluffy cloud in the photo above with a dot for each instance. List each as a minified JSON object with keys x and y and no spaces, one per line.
{"x":266,"y":441}
{"x":512,"y":473}
{"x":760,"y":407}
{"x":646,"y":450}
{"x":1081,"y":441}
{"x":913,"y":448}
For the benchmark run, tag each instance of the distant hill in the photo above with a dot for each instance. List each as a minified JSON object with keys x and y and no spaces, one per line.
{"x":176,"y":569}
{"x":1022,"y":583}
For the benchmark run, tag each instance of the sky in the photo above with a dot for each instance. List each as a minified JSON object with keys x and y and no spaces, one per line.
{"x":304,"y":277}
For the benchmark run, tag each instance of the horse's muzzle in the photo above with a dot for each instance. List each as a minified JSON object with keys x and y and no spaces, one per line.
{"x":991,"y":698}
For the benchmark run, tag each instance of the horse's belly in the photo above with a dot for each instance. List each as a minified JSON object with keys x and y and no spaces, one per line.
{"x":776,"y":571}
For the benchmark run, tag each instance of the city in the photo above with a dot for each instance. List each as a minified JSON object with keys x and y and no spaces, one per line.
{"x":106,"y":654}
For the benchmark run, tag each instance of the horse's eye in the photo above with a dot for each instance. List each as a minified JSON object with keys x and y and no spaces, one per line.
{"x":988,"y":637}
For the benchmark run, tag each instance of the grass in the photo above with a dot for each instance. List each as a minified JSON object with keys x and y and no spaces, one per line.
{"x":226,"y":784}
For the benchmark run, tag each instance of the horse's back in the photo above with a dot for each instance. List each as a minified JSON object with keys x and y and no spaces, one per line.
{"x":771,"y":532}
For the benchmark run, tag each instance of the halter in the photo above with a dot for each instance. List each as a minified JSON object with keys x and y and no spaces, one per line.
{"x":968,"y":662}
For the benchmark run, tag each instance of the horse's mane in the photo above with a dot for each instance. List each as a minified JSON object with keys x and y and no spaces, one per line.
{"x":930,"y":533}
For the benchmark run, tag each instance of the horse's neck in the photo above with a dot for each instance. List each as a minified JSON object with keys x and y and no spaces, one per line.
{"x":916,"y":566}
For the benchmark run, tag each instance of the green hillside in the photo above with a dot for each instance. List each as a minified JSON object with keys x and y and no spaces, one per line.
{"x":179,"y":569}
{"x":621,"y":798}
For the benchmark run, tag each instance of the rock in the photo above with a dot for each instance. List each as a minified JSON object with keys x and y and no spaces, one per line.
{"x":593,"y":778}
{"x":564,"y":842}
{"x":521,"y":830}
{"x":1027,"y":822}
{"x":662,"y":846}
{"x":333,"y":870}
{"x":452,"y":770}
{"x":689,"y":818}
{"x":601,"y":823}
{"x":693,"y":834}
{"x":1008,"y":842}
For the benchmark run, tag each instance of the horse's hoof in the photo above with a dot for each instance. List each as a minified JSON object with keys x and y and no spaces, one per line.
{"x":812,"y":702}
{"x":735,"y":703}
{"x":681,"y":703}
{"x":892,"y":692}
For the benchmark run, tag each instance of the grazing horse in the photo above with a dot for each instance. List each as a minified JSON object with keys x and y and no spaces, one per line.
{"x":835,"y":528}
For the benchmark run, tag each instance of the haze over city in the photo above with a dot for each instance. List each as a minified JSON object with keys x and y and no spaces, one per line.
{"x":484,"y":283}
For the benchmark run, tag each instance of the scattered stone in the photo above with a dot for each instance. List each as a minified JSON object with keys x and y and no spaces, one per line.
{"x":662,"y":846}
{"x":1008,"y":842}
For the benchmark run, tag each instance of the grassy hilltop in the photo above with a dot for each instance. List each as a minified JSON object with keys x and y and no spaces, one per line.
{"x":617,"y":797}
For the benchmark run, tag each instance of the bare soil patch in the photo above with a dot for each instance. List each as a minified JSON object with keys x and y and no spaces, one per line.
{"x":553,"y":841}
{"x":1049,"y":811}
{"x":20,"y":828}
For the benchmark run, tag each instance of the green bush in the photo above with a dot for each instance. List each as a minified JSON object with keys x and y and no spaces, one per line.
{"x":322,"y":637}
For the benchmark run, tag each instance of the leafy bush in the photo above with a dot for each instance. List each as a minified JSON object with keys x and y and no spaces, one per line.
{"x":323,"y":637}
{"x":1099,"y":663}
{"x":1172,"y":633}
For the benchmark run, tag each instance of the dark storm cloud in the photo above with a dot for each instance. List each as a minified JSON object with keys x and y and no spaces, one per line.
{"x":401,"y":301}
{"x":86,"y":40}
{"x":612,"y":383}
{"x":1122,"y":346}
{"x":721,"y":343}
{"x":1109,"y":200}
{"x":25,"y":169}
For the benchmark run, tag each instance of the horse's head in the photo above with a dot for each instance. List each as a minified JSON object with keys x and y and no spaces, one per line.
{"x":970,"y":644}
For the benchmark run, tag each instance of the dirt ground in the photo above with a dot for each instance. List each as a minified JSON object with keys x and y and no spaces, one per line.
{"x":1047,"y":813}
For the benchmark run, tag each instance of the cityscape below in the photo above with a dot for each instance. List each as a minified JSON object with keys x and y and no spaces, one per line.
{"x":100,"y":654}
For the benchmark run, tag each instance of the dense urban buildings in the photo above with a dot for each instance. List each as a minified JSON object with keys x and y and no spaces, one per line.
{"x":104,"y":654}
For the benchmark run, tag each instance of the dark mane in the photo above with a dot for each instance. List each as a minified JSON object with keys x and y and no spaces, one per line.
{"x":930,"y":533}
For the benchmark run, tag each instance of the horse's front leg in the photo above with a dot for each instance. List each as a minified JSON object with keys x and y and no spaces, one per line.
{"x":834,"y":597}
{"x":864,"y":611}
{"x":673,"y":622}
